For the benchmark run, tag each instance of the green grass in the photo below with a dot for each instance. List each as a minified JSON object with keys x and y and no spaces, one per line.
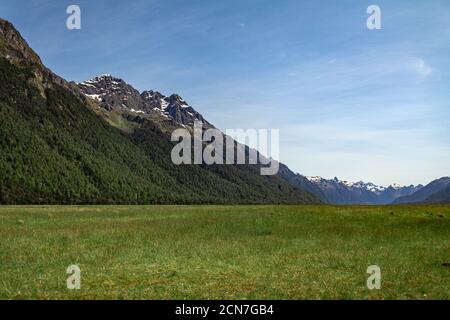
{"x":225,"y":252}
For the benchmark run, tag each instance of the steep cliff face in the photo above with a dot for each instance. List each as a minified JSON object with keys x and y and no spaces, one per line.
{"x":14,"y":48}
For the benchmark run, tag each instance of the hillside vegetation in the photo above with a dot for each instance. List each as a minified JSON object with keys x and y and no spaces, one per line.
{"x":56,"y":150}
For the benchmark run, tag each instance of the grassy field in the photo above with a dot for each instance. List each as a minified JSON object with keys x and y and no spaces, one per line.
{"x":225,"y":252}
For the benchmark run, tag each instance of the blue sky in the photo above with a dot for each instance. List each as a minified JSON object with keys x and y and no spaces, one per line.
{"x":349,"y":102}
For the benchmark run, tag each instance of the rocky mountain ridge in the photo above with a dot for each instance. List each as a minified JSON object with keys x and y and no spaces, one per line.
{"x":346,"y":192}
{"x":114,"y":94}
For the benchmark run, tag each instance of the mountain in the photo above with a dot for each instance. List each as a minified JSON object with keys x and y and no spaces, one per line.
{"x":115,"y":95}
{"x":302,"y":182}
{"x":442,"y":196}
{"x":343,"y":192}
{"x":14,"y":48}
{"x":396,"y":191}
{"x":60,"y":146}
{"x":426,"y":192}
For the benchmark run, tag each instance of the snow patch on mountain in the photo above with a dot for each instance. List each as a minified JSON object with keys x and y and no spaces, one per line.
{"x":369,"y":186}
{"x":115,"y":94}
{"x":347,"y":192}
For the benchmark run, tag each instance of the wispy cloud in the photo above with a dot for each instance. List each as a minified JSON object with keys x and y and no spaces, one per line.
{"x":422,"y":68}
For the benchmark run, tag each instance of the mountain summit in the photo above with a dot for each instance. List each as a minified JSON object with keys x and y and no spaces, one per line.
{"x":13,"y":47}
{"x":114,"y":94}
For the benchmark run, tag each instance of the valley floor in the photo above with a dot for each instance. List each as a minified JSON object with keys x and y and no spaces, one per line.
{"x":224,"y":252}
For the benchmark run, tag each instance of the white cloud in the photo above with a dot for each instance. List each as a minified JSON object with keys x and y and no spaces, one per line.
{"x":422,"y":68}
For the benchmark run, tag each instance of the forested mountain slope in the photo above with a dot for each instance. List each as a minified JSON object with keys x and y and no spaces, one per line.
{"x":55,"y":149}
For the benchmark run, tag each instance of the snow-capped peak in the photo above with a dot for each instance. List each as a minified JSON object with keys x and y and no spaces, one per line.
{"x":314,"y":178}
{"x":115,"y":94}
{"x":104,"y":77}
{"x":361,"y":185}
{"x":368,"y":186}
{"x":396,"y":186}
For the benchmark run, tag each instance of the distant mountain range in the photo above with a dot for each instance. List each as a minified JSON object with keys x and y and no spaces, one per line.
{"x":344,"y":192}
{"x":103,"y":141}
{"x":434,"y":192}
{"x":442,"y":196}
